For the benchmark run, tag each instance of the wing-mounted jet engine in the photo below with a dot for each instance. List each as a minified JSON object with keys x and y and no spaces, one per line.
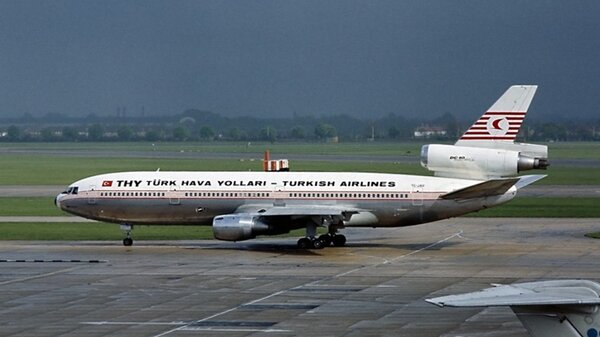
{"x":487,"y":150}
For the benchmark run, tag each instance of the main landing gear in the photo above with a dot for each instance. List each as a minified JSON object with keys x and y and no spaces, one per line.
{"x":311,"y":241}
{"x":325,"y":240}
{"x":127,"y":241}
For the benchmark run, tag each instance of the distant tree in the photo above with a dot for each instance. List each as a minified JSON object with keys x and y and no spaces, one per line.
{"x":268,"y":133}
{"x":180,"y":133}
{"x":298,"y":132}
{"x":235,"y":134}
{"x":553,"y":131}
{"x":13,"y":133}
{"x":125,"y":133}
{"x":152,"y":136}
{"x":47,"y":135}
{"x":206,"y":133}
{"x":324,"y":130}
{"x":393,"y":132}
{"x":69,"y":133}
{"x":95,"y":132}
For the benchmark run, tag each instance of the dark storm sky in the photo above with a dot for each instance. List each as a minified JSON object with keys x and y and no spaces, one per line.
{"x":273,"y":58}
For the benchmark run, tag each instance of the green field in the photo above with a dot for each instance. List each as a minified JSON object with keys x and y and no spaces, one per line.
{"x":45,"y":169}
{"x":566,"y":150}
{"x":98,"y":231}
{"x":49,"y":170}
{"x":522,"y":207}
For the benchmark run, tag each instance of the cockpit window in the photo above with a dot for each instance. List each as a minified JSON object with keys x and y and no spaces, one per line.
{"x":72,"y":190}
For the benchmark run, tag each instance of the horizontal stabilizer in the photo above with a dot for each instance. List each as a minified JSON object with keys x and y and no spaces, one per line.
{"x":528,"y":180}
{"x":482,"y":190}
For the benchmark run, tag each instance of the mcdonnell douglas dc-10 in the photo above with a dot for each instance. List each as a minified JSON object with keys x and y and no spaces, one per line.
{"x":476,"y":173}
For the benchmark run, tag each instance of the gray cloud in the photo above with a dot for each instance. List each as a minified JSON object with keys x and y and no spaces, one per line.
{"x":310,"y":57}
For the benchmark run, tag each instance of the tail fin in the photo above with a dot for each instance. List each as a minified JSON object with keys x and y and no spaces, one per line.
{"x":488,"y":149}
{"x":503,"y":120}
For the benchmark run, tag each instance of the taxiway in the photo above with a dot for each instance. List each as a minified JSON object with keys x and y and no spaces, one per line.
{"x":375,"y":286}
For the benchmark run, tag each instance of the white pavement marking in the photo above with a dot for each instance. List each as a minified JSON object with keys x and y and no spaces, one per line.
{"x":40,"y":276}
{"x":188,"y":326}
{"x":386,"y":261}
{"x":223,"y":312}
{"x":233,"y":329}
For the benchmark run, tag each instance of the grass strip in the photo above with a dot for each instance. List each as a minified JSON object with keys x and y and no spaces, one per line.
{"x":29,"y":206}
{"x":71,"y":231}
{"x":50,"y":170}
{"x":530,"y":207}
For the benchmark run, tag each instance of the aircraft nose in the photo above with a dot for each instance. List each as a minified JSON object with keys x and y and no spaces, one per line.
{"x":57,"y":200}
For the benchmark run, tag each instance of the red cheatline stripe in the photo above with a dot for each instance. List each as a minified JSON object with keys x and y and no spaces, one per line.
{"x":481,"y":127}
{"x":496,"y":113}
{"x":486,"y":138}
{"x":511,"y":123}
{"x":485,"y":133}
{"x":483,"y":119}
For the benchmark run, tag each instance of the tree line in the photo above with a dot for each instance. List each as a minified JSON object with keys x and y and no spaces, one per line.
{"x":197,"y":125}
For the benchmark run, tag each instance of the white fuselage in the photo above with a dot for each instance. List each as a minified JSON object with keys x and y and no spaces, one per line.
{"x":195,"y":198}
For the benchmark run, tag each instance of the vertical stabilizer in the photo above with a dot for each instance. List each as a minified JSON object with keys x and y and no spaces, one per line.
{"x":503,"y":119}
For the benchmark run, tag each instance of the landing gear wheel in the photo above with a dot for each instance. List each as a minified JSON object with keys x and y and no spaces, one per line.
{"x":304,"y":243}
{"x":127,"y":228}
{"x":339,"y":240}
{"x":326,"y":238}
{"x":318,"y":244}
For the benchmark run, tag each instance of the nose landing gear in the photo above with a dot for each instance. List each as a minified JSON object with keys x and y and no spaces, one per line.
{"x":127,"y":241}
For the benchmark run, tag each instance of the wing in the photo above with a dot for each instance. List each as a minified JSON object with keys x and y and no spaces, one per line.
{"x":525,"y":294}
{"x":248,"y":221}
{"x":299,"y":210}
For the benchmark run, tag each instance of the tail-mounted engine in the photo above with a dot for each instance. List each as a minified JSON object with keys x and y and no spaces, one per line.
{"x":482,"y":163}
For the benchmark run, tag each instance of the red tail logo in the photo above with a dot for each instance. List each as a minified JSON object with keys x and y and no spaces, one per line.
{"x":496,"y":126}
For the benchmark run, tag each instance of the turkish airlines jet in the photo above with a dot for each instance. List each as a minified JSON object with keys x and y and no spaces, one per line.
{"x":475,"y":173}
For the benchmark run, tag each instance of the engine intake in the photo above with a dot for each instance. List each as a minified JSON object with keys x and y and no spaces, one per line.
{"x":239,"y":227}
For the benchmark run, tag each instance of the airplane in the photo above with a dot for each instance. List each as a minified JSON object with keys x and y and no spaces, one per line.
{"x":475,"y":173}
{"x":545,"y":308}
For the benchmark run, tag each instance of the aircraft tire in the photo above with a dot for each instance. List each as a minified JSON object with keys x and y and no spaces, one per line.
{"x":304,"y":243}
{"x":327,"y":239}
{"x":127,"y":242}
{"x":318,"y":244}
{"x":339,"y":240}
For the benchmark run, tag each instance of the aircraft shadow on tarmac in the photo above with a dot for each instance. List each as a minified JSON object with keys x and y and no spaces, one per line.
{"x":292,"y":249}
